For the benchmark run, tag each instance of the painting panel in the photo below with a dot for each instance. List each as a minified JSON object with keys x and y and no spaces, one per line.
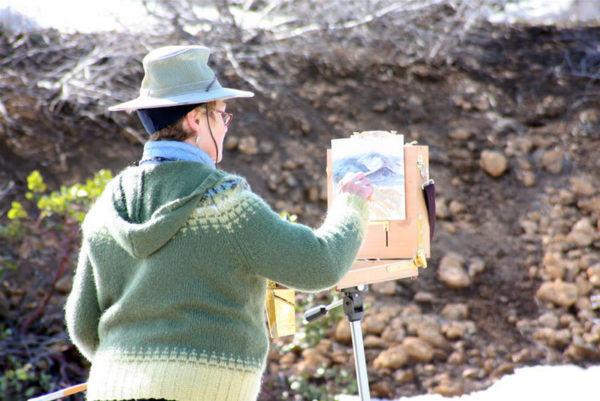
{"x":381,"y":159}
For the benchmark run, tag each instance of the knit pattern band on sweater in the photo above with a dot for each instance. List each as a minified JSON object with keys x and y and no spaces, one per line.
{"x":174,"y":374}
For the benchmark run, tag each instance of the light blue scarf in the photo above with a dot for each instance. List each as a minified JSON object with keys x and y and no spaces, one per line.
{"x":156,"y":152}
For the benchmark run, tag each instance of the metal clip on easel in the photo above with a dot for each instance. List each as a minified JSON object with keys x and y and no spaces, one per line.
{"x":353,"y":307}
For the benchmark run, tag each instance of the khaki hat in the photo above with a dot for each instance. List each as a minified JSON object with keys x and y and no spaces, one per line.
{"x":178,"y":75}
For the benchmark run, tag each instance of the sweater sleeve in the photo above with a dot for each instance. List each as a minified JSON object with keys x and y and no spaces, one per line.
{"x":295,"y":255}
{"x":82,"y":311}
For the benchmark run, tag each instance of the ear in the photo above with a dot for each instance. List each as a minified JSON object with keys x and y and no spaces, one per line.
{"x":192,"y":120}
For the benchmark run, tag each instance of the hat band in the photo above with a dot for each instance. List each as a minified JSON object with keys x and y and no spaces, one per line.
{"x":200,"y":86}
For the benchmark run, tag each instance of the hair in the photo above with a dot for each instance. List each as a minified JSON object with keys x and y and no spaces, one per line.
{"x":176,"y":131}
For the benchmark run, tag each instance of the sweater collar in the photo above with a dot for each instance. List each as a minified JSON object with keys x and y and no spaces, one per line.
{"x":157,"y":152}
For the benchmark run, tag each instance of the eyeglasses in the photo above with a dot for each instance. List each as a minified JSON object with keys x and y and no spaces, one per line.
{"x":227,"y":117}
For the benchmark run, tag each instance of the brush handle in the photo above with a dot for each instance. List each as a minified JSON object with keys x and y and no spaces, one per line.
{"x":61,"y":393}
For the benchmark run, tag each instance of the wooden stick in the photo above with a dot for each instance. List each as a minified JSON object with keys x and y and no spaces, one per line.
{"x":61,"y":393}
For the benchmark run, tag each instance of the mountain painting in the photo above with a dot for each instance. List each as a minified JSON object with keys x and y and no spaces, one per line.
{"x":381,"y":158}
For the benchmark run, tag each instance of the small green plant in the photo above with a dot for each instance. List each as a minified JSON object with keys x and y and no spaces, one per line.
{"x":52,"y":211}
{"x":311,"y":333}
{"x":14,"y":230}
{"x":324,"y":385}
{"x":72,"y":201}
{"x":69,"y":202}
{"x":22,"y":380}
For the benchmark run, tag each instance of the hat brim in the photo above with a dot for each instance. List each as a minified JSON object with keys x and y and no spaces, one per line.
{"x":148,"y":102}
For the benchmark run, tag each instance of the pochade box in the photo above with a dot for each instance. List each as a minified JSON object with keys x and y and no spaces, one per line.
{"x":397,"y":241}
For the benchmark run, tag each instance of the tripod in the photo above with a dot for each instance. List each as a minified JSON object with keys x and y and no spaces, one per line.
{"x":352,"y":303}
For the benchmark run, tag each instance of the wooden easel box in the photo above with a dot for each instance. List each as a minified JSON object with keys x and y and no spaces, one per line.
{"x":383,"y":259}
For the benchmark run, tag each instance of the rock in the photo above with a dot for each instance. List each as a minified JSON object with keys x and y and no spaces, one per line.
{"x":418,"y":349}
{"x":455,"y":312}
{"x":566,"y":197}
{"x":456,"y":207}
{"x":584,"y":286}
{"x":493,"y":162}
{"x":391,"y":313}
{"x":552,"y":161}
{"x":312,"y":360}
{"x":593,"y":337}
{"x":593,"y":273}
{"x":554,"y":265}
{"x":64,"y":285}
{"x":584,"y":304}
{"x":582,"y":233}
{"x":558,"y":292}
{"x":392,"y":358}
{"x":324,"y":346}
{"x":231,"y":142}
{"x":393,"y":334}
{"x":380,"y":107}
{"x":384,"y":288}
{"x":474,"y":373}
{"x":372,"y":341}
{"x":266,"y":147}
{"x":476,"y":266}
{"x":519,"y":146}
{"x":549,"y":320}
{"x":449,"y":388}
{"x":460,"y":134}
{"x":415,"y":323}
{"x":373,"y":324}
{"x":504,"y":125}
{"x":456,"y":330}
{"x":504,"y":369}
{"x":402,"y":376}
{"x":582,"y":186}
{"x":522,"y":357}
{"x":433,"y":335}
{"x":288,"y":359}
{"x":551,"y":106}
{"x":529,"y":227}
{"x":343,"y":333}
{"x":452,"y":272}
{"x":528,"y":178}
{"x":424,"y":297}
{"x":290,"y":164}
{"x":312,"y":193}
{"x":339,"y":356}
{"x":382,"y":389}
{"x":441,"y":209}
{"x":591,"y":205}
{"x":248,"y":145}
{"x":411,"y":310}
{"x":589,"y":117}
{"x":582,"y":352}
{"x":553,"y":338}
{"x":457,"y":358}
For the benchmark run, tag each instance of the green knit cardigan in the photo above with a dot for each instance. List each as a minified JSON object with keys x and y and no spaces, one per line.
{"x":168,"y":295}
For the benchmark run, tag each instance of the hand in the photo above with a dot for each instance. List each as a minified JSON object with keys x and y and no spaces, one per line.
{"x":357,"y":184}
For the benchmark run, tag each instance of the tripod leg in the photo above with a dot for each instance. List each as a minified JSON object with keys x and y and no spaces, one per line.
{"x":360,"y":361}
{"x":353,"y":309}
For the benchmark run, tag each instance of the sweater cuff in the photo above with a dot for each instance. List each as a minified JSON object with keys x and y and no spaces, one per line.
{"x":356,"y":203}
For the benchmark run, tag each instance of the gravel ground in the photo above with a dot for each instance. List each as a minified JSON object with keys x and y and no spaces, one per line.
{"x":547,"y":383}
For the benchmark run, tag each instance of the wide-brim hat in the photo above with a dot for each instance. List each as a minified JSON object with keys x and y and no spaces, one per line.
{"x":178,"y":75}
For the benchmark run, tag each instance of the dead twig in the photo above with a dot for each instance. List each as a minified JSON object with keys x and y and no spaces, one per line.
{"x":238,"y":70}
{"x":5,"y":190}
{"x":68,"y":245}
